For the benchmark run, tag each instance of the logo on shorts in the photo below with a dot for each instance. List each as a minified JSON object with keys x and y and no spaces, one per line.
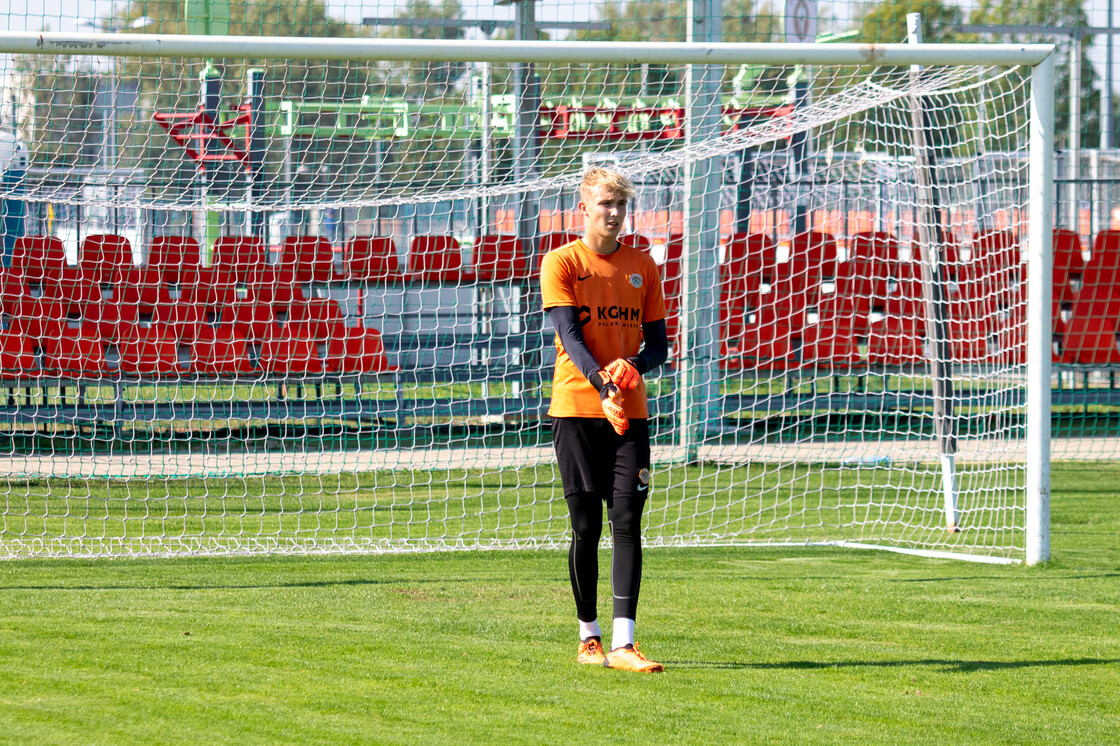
{"x":643,"y":476}
{"x":636,"y":280}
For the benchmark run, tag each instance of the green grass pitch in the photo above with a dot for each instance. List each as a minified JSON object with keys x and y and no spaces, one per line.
{"x":760,"y":646}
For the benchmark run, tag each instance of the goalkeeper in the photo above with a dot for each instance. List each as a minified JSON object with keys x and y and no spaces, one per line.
{"x":604,"y":299}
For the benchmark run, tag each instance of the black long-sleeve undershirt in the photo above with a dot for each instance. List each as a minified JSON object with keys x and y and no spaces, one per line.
{"x":654,"y":352}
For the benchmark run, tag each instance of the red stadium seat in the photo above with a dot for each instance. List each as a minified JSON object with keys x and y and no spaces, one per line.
{"x":239,"y":256}
{"x":500,"y":259}
{"x":273,"y":285}
{"x":144,"y":286}
{"x":252,"y":321}
{"x":436,"y":259}
{"x":110,"y":321}
{"x":1097,"y":302}
{"x":290,"y":352}
{"x":215,"y":353}
{"x":751,"y":257}
{"x":172,"y":256}
{"x":1091,"y":341}
{"x":372,"y":259}
{"x":310,"y":258}
{"x":39,"y":318}
{"x":894,"y":342}
{"x":638,"y":241}
{"x":16,"y":353}
{"x":1069,"y":262}
{"x":356,"y":350}
{"x":878,"y":246}
{"x":152,"y":352}
{"x":74,"y":351}
{"x":77,"y":290}
{"x":766,"y":341}
{"x":812,"y":260}
{"x":319,"y":315}
{"x":830,"y":344}
{"x":37,"y":259}
{"x":209,"y":286}
{"x":105,"y":258}
{"x":968,"y":340}
{"x":12,"y":290}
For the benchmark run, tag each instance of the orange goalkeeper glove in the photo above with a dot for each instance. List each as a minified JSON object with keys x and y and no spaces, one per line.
{"x":611,"y":398}
{"x":624,"y":374}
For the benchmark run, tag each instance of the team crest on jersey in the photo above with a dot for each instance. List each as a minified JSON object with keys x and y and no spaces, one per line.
{"x":636,"y":280}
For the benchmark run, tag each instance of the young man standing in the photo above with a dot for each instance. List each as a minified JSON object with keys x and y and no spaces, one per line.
{"x":604,"y":299}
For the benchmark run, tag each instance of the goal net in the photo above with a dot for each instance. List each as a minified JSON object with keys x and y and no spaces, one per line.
{"x":276,"y":301}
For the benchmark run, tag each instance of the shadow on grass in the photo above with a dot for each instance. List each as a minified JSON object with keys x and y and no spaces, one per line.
{"x":250,"y":586}
{"x":959,"y":666}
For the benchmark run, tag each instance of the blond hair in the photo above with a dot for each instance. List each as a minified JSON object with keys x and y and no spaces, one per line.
{"x":612,"y":181}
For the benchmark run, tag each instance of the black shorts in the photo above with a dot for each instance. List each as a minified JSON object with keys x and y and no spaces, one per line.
{"x":594,"y":459}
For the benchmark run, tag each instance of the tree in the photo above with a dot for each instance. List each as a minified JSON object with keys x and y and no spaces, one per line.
{"x":886,"y":22}
{"x":1065,"y":13}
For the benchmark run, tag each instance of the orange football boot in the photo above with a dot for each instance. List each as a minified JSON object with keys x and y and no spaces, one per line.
{"x":591,"y":652}
{"x":629,"y":658}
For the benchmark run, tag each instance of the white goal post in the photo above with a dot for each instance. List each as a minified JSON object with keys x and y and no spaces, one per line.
{"x":355,"y":363}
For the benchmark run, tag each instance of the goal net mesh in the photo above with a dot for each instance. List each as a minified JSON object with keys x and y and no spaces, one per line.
{"x":291,"y":306}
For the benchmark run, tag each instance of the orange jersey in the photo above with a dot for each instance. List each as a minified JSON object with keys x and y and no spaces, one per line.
{"x":615,"y":295}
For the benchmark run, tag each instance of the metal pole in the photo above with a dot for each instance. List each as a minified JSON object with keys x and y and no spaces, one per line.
{"x":526,"y":94}
{"x":458,"y":50}
{"x":699,"y":411}
{"x":1106,"y":93}
{"x":1040,"y":262}
{"x":1074,"y":165}
{"x":254,"y":169}
{"x":931,"y":241}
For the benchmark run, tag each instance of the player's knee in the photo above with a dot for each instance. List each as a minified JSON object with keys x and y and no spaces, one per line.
{"x":587,"y":525}
{"x":626,"y":520}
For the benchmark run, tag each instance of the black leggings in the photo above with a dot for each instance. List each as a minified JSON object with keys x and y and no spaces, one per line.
{"x":625,"y":517}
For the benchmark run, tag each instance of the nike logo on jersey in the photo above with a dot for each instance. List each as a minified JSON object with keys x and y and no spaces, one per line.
{"x":581,"y":279}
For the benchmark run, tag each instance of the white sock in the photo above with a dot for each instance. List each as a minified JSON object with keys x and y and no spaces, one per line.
{"x":589,"y":629}
{"x":623,"y":633}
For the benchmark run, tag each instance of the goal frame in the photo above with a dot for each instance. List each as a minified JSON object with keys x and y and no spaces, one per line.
{"x":1038,"y":57}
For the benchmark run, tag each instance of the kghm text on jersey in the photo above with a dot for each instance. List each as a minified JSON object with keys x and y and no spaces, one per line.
{"x":619,"y":313}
